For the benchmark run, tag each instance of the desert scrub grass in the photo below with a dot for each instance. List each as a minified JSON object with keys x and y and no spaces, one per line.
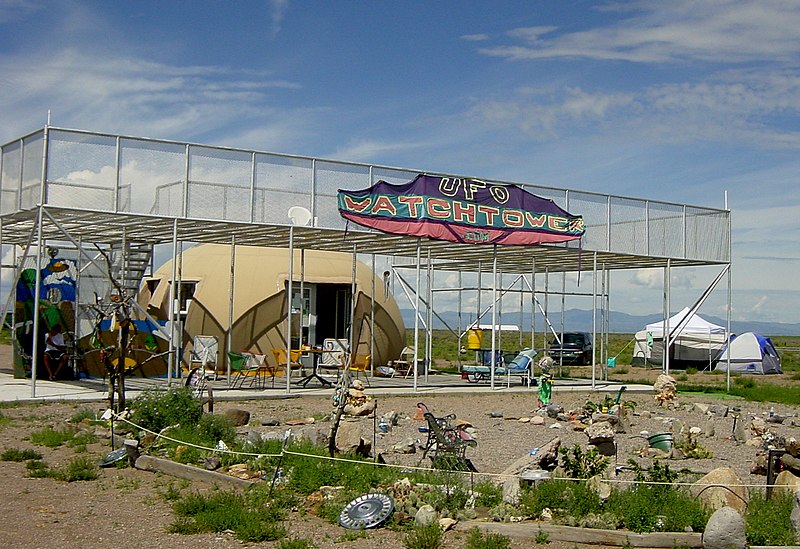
{"x":351,"y":535}
{"x":578,"y":463}
{"x":53,"y":438}
{"x":15,"y":454}
{"x":156,"y":409}
{"x":563,"y":497}
{"x":79,"y":468}
{"x":487,"y":494}
{"x":307,"y":474}
{"x":81,"y":414}
{"x":429,"y":536}
{"x":486,"y":540}
{"x":247,"y":515}
{"x":296,"y":543}
{"x":767,"y":521}
{"x":5,"y":420}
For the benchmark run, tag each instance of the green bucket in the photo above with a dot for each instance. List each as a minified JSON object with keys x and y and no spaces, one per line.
{"x":611,"y":362}
{"x":661,"y":441}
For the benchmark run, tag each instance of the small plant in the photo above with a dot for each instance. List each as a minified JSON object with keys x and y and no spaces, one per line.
{"x":296,"y":543}
{"x":352,"y":535}
{"x":156,"y":409}
{"x":542,"y":537}
{"x":582,"y":464}
{"x":82,"y":414}
{"x":428,"y":536}
{"x":767,"y":521}
{"x":15,"y":454}
{"x":691,"y":371}
{"x":486,"y":540}
{"x":80,"y":468}
{"x":692,"y":449}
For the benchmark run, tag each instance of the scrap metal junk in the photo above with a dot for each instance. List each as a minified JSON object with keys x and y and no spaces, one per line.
{"x":366,"y":511}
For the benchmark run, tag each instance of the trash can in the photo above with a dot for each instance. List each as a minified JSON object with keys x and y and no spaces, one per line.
{"x":474,"y":339}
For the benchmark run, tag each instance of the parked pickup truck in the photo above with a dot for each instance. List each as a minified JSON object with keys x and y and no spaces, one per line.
{"x":576,"y":348}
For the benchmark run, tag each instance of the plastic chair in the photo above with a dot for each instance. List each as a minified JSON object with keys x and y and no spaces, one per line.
{"x":360,"y":364}
{"x":241,"y":368}
{"x":294,"y":365}
{"x":204,"y":353}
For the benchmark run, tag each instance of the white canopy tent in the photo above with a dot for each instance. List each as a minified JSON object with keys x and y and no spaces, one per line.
{"x":697,"y":344}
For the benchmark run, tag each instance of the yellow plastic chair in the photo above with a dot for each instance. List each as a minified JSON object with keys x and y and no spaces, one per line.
{"x":360,"y":364}
{"x":280,"y":358}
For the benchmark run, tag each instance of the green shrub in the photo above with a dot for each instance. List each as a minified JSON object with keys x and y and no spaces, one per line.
{"x":744,"y":382}
{"x":486,"y":540}
{"x":582,"y":464}
{"x":424,"y":537}
{"x":767,"y":521}
{"x":487,"y":494}
{"x":81,"y":414}
{"x":15,"y":454}
{"x":562,"y":497}
{"x":248,"y":515}
{"x":52,"y":438}
{"x":653,"y":508}
{"x":80,"y":468}
{"x":156,"y":409}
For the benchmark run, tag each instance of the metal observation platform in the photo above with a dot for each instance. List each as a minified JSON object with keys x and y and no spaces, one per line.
{"x":120,"y":193}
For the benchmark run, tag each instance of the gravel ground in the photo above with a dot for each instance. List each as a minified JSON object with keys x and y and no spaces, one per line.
{"x":123,"y":509}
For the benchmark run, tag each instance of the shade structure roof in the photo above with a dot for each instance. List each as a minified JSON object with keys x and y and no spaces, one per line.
{"x":107,"y":188}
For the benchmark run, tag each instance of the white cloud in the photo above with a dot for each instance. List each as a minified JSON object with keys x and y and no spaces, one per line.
{"x":655,"y":31}
{"x":475,"y":37}
{"x":131,"y":96}
{"x":278,"y":12}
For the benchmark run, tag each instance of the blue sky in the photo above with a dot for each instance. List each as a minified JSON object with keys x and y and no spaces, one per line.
{"x":678,"y":101}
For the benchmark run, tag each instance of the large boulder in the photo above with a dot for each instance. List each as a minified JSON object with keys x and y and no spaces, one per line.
{"x":721,"y":488}
{"x":795,"y":516}
{"x":349,"y":438}
{"x":599,"y":432}
{"x":725,"y":530}
{"x":786,"y":481}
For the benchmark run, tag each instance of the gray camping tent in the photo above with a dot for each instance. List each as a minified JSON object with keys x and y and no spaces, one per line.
{"x":750,"y":353}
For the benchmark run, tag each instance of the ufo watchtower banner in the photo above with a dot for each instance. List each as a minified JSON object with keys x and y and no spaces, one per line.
{"x":467,"y":211}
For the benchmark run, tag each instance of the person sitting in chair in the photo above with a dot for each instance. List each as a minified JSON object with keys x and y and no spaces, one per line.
{"x":55,"y":351}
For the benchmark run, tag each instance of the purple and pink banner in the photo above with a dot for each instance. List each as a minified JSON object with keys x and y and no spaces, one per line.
{"x":460,"y":210}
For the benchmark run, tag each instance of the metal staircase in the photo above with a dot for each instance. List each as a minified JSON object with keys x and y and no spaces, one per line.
{"x":130,"y":261}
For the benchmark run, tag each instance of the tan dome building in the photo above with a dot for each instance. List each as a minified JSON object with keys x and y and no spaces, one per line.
{"x":259,"y":301}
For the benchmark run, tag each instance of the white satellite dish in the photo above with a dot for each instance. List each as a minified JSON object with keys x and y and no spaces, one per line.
{"x":299,"y":215}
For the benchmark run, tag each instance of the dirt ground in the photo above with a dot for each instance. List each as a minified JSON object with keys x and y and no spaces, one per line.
{"x":123,"y":507}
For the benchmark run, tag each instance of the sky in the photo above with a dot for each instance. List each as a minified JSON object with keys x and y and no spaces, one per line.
{"x":679,"y":101}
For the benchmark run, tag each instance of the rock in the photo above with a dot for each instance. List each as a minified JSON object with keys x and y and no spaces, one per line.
{"x":349,"y":439}
{"x":701,"y":407}
{"x":426,"y":515}
{"x":787,"y":482}
{"x":270,"y":422}
{"x":546,"y":516}
{"x":577,"y":425}
{"x":725,"y":530}
{"x":759,"y":466}
{"x":212,"y":463}
{"x":608,"y":418}
{"x":776,"y":419}
{"x":361,"y":410}
{"x":496,"y":413}
{"x":555,"y":426}
{"x":600,"y":432}
{"x":553,"y":410}
{"x":721,"y":488}
{"x":758,"y":427}
{"x":392,"y":418}
{"x":606,"y":448}
{"x":740,"y":431}
{"x":511,"y":491}
{"x":795,"y":516}
{"x":718,"y":410}
{"x":792,"y":463}
{"x":407,"y":446}
{"x":599,"y":486}
{"x":238,"y":416}
{"x":792,"y":446}
{"x":694,"y":431}
{"x":710,"y":430}
{"x":447,"y":523}
{"x":537,"y":420}
{"x":524,"y":420}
